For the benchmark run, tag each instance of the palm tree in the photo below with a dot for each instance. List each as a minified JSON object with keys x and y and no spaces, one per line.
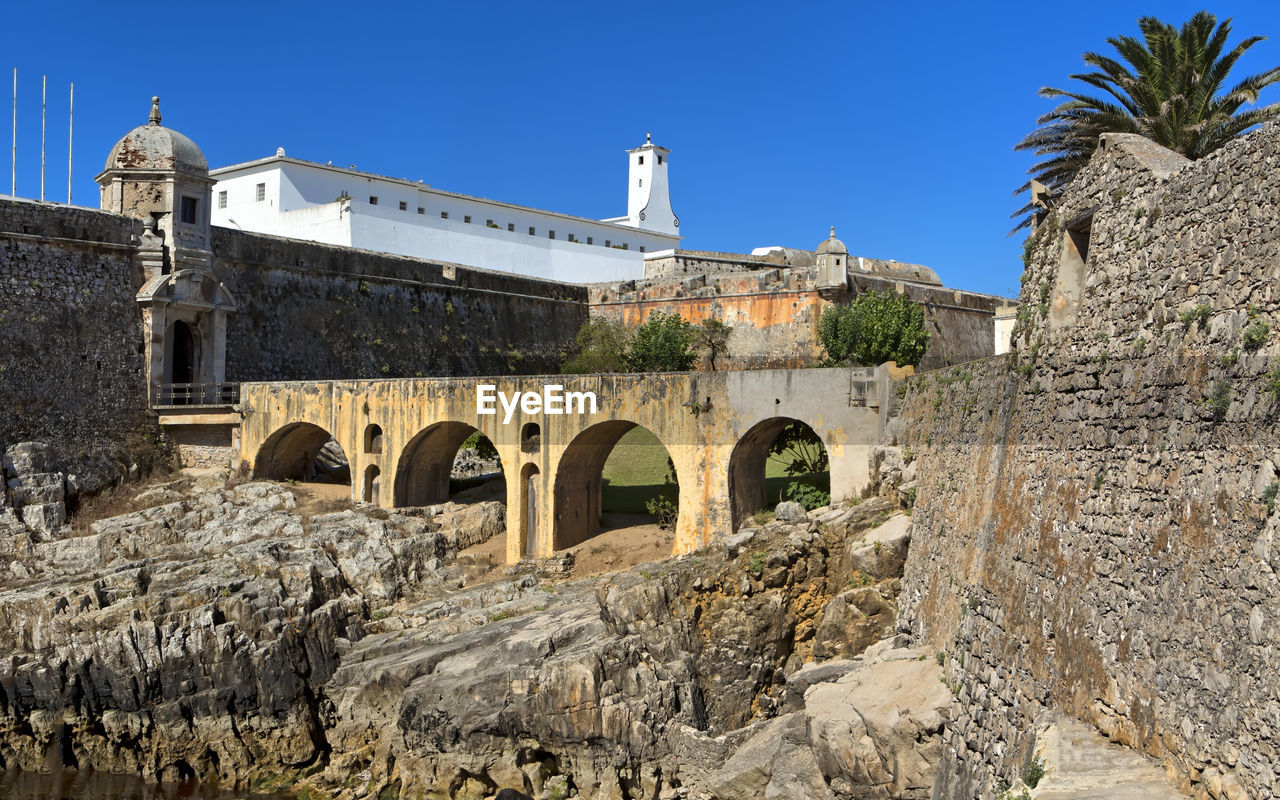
{"x":1169,"y":88}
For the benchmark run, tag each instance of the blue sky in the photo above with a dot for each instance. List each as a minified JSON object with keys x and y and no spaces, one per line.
{"x":895,"y":122}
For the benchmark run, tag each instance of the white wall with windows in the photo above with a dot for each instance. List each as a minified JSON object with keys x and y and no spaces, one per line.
{"x":289,"y":197}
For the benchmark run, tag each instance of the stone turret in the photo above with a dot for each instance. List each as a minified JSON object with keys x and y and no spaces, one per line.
{"x":159,"y":176}
{"x":833,"y":263}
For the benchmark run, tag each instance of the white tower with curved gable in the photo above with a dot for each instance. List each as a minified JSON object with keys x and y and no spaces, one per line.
{"x":648,"y":193}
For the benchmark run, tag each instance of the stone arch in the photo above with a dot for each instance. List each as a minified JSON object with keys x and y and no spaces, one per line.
{"x":578,"y":490}
{"x":372,"y":484}
{"x":291,"y":453}
{"x":373,"y":439}
{"x":422,"y":473}
{"x":747,"y":484}
{"x":531,"y":503}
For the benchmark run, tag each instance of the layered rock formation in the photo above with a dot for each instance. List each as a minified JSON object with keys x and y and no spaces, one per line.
{"x":227,"y":633}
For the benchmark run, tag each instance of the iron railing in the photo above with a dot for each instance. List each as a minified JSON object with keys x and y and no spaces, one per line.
{"x":198,"y":394}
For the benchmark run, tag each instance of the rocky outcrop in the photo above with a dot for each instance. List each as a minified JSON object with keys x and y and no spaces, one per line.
{"x":222,"y":633}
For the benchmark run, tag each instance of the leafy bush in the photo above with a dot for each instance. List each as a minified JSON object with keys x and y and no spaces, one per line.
{"x":480,"y":443}
{"x":807,"y":495}
{"x":711,"y":338}
{"x":602,"y":347}
{"x":874,"y":328}
{"x":1255,"y":336}
{"x":1197,"y":316}
{"x":799,"y":450}
{"x":664,"y":509}
{"x":662,"y":344}
{"x":1220,"y":400}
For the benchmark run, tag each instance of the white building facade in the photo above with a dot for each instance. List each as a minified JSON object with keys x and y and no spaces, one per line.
{"x":289,"y":197}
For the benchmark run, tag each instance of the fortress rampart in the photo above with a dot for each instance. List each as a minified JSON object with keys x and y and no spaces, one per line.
{"x":1095,"y":515}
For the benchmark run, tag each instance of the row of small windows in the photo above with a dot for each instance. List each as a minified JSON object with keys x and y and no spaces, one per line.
{"x":533,"y":231}
{"x":640,"y":159}
{"x":261,"y":194}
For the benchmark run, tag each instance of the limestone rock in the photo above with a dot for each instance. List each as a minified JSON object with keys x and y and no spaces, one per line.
{"x":790,"y":512}
{"x":881,"y":551}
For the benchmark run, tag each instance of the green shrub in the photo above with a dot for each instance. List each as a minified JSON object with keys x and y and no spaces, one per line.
{"x":1220,"y":399}
{"x":602,"y":347}
{"x":1197,"y":316}
{"x":1269,"y":497}
{"x":807,"y":495}
{"x":1255,"y":336}
{"x":1035,"y":771}
{"x":664,"y":343}
{"x":664,"y":509}
{"x":1271,"y":384}
{"x":480,"y":443}
{"x":874,"y":328}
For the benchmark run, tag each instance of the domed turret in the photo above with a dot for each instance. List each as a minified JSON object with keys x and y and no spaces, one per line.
{"x":833,"y":263}
{"x":832,"y":245}
{"x":153,"y":146}
{"x":159,"y":176}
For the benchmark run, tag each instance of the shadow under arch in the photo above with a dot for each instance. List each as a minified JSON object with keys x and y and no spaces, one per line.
{"x":579,"y":483}
{"x":748,"y":492}
{"x":425,"y":464}
{"x":291,"y":453}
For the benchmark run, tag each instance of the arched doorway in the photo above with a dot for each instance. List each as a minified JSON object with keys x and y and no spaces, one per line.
{"x":426,"y":466}
{"x":301,"y":451}
{"x":372,"y":484}
{"x":531,"y":503}
{"x":607,"y":477}
{"x":777,"y":459}
{"x":182,"y":354}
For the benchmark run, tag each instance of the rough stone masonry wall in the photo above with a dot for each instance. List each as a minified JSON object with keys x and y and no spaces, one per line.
{"x":774,"y":313}
{"x":71,"y":364}
{"x":318,"y":312}
{"x":1094,"y":527}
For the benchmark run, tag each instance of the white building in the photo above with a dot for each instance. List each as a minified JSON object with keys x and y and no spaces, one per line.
{"x":298,"y":199}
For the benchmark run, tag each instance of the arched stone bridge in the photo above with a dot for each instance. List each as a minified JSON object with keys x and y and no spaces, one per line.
{"x":400,"y":437}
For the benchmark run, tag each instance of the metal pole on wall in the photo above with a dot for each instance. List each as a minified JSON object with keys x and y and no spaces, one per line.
{"x":71,"y":131}
{"x":44,"y":105}
{"x":13,"y":163}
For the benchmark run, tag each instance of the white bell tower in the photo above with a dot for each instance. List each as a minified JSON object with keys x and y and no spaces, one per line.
{"x":648,"y":193}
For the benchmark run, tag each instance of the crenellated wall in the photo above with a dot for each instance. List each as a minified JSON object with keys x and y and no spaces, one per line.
{"x":1094,"y":529}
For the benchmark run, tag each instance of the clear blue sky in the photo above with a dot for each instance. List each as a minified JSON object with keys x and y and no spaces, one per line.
{"x":895,"y":122}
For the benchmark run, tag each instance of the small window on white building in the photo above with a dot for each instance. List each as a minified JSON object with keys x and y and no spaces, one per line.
{"x":608,"y":243}
{"x":640,"y":182}
{"x":659,"y":160}
{"x":373,"y":199}
{"x":590,"y":240}
{"x":467,"y":219}
{"x":421,"y":210}
{"x":488,"y":223}
{"x":444,"y":215}
{"x":404,"y":206}
{"x":533,"y":231}
{"x":641,"y":248}
{"x":222,"y":199}
{"x":571,"y":237}
{"x":639,"y":159}
{"x":551,"y":234}
{"x":260,"y":192}
{"x":511,"y":227}
{"x":626,"y":246}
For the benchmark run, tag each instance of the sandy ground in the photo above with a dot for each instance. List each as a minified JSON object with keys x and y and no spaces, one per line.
{"x":626,"y":540}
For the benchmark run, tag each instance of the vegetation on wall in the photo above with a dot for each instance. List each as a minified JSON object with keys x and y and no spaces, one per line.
{"x":1169,"y":86}
{"x":663,"y":343}
{"x":874,"y":328}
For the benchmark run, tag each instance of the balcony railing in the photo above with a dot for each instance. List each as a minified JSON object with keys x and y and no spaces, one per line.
{"x":198,"y":394}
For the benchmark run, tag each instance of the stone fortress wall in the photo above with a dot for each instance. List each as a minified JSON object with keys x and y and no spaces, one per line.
{"x":71,"y":367}
{"x":774,"y":309}
{"x":1094,"y":520}
{"x":320,"y":312}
